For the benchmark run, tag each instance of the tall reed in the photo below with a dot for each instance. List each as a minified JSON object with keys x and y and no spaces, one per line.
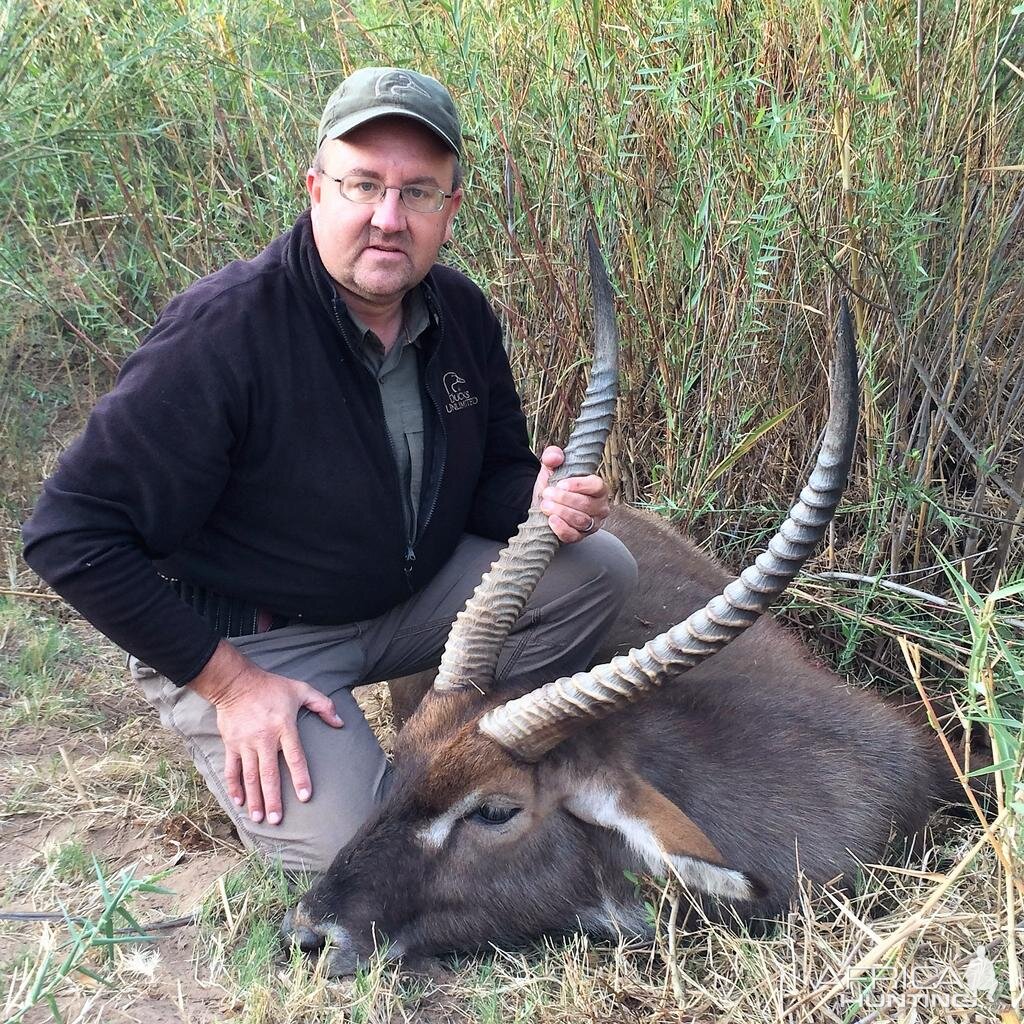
{"x":746,"y":164}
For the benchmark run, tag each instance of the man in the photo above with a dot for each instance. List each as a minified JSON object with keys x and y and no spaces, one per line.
{"x":301,"y":475}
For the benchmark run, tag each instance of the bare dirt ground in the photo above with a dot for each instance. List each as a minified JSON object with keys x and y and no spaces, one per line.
{"x":81,"y":746}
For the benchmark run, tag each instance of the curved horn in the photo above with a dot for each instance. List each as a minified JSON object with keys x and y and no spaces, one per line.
{"x":481,"y":628}
{"x":531,"y":725}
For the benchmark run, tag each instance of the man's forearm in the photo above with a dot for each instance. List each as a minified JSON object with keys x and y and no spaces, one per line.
{"x":117,"y":589}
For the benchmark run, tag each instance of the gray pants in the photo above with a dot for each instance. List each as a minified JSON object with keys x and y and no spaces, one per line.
{"x":573,"y":605}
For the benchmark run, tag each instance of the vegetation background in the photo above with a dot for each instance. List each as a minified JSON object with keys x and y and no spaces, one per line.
{"x":746,"y":162}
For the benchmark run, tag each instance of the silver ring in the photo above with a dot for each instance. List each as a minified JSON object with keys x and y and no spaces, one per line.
{"x":591,"y":527}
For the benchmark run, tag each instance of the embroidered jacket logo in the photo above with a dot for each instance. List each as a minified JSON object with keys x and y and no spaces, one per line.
{"x":459,"y":396}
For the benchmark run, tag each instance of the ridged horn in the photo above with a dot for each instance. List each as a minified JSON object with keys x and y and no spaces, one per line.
{"x":531,"y":725}
{"x":473,"y":646}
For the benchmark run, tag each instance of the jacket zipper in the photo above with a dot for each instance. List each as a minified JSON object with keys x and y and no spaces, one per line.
{"x":438,"y":476}
{"x":409,"y":555}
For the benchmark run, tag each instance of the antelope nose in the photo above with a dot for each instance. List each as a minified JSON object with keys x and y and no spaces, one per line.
{"x":296,"y":933}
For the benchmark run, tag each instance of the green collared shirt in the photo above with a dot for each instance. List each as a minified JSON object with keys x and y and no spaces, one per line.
{"x":397,"y":375}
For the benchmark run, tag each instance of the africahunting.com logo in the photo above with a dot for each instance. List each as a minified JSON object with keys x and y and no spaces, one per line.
{"x":918,"y":992}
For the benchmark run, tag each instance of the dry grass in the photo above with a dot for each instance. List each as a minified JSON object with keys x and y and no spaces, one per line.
{"x":113,"y":786}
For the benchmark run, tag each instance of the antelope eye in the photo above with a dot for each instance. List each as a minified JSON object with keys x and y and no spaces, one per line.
{"x":489,"y":814}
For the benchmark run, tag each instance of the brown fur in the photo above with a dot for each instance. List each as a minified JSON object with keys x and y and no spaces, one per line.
{"x":760,"y":760}
{"x":675,"y":831}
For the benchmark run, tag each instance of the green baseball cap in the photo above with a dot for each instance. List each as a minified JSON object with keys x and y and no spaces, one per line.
{"x":385,"y":92}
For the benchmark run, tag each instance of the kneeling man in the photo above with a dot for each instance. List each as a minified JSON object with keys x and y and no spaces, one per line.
{"x":301,"y":475}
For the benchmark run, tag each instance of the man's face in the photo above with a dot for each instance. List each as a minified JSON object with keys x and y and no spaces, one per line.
{"x":379,"y":251}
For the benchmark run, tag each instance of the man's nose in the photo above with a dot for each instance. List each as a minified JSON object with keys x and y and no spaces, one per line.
{"x":389,"y":215}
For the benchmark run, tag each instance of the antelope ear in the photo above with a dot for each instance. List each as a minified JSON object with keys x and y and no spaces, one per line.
{"x":660,"y":833}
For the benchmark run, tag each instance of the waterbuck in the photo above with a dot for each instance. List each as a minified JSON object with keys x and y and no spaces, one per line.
{"x":525,"y":810}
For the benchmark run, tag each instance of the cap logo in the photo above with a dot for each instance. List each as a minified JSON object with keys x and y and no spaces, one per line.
{"x":399,"y":85}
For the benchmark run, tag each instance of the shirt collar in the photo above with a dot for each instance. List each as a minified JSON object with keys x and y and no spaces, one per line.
{"x":416,"y":319}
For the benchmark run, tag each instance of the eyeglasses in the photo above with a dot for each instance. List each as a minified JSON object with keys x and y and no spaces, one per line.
{"x":418,"y":198}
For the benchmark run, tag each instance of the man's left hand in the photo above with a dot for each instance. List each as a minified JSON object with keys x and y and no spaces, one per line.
{"x":577,"y":506}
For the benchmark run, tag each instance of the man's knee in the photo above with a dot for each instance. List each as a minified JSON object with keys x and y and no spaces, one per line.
{"x":306,"y":842}
{"x":599,"y":572}
{"x":589,"y":581}
{"x":349,"y":771}
{"x":615,"y":566}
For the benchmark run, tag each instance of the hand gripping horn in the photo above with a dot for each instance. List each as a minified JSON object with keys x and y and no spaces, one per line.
{"x":473,"y":646}
{"x":531,"y":725}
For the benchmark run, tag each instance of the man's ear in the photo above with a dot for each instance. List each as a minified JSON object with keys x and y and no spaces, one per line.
{"x":313,"y":186}
{"x":659,"y":832}
{"x":453,"y":208}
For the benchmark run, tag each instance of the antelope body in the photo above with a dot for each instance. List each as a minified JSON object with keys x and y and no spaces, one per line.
{"x":720,"y":753}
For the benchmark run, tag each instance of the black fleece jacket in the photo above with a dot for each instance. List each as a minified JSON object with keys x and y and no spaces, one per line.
{"x":244,"y":449}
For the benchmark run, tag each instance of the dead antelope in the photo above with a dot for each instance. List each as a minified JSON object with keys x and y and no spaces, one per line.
{"x":520,"y":812}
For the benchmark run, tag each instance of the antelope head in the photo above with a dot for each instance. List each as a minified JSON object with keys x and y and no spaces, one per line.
{"x":505,"y":818}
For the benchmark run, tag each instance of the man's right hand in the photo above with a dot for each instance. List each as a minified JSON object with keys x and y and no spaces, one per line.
{"x":256,"y":718}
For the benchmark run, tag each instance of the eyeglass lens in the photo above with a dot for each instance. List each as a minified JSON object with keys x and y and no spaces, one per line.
{"x":419,"y":198}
